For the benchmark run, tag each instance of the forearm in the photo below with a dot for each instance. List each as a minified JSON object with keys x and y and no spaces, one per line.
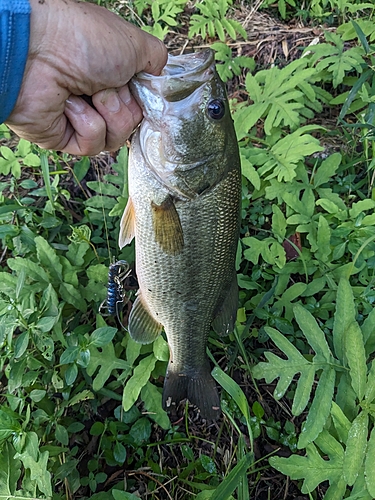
{"x":14,"y":44}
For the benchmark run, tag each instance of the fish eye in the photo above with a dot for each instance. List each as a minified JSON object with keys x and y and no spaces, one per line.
{"x":216,"y":109}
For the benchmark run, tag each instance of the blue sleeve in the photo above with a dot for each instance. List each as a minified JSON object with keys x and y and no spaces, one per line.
{"x":14,"y":46}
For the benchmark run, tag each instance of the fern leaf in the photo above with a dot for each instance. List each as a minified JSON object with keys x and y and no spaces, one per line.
{"x":276,"y":93}
{"x":348,"y":32}
{"x":283,"y":158}
{"x":219,"y":30}
{"x":198,"y":25}
{"x":209,"y":10}
{"x":229,"y":28}
{"x":335,"y":59}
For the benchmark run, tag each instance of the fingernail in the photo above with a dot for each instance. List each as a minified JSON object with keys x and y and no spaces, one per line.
{"x":125,"y":95}
{"x":75,"y":104}
{"x":111,"y":101}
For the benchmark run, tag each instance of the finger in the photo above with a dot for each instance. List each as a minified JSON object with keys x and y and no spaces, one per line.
{"x":120,"y":112}
{"x":85,"y":129}
{"x":151,"y":54}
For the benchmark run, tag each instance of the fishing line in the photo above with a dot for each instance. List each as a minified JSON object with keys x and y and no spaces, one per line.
{"x":118,"y":271}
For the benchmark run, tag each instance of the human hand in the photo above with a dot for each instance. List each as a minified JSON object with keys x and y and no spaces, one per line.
{"x":77,"y":49}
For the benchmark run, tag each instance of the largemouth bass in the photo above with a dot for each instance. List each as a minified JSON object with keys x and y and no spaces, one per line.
{"x":183,"y":210}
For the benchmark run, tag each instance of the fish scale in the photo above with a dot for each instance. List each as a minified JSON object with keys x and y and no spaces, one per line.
{"x":185,"y":219}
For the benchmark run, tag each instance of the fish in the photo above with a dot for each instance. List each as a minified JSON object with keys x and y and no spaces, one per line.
{"x":184,"y":184}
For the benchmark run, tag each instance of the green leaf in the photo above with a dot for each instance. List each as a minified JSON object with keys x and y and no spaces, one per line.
{"x":355,"y":448}
{"x":160,"y":348}
{"x":140,"y":431}
{"x":10,"y":472}
{"x":303,"y":390}
{"x":48,"y":259}
{"x":340,"y":421}
{"x":320,"y":408}
{"x":327,"y":169}
{"x":370,"y":464}
{"x":232,"y":388}
{"x":62,"y":434}
{"x":81,"y":396}
{"x":36,"y":462}
{"x":334,"y":57}
{"x":21,"y":343}
{"x":313,"y":334}
{"x":37,"y":395}
{"x":102,"y":336}
{"x":232,"y":480}
{"x":119,"y":453}
{"x":107,"y":361}
{"x":278,"y":223}
{"x":208,"y":464}
{"x":249,"y":172}
{"x":97,"y":429}
{"x":312,"y":468}
{"x":69,"y":355}
{"x":285,"y":369}
{"x":72,"y":296}
{"x":81,"y":168}
{"x":370,"y":385}
{"x":275,"y":94}
{"x":140,"y":376}
{"x":31,"y":160}
{"x":71,"y":374}
{"x":368,"y":330}
{"x":283,"y":158}
{"x":323,"y":240}
{"x":361,"y":206}
{"x":122,"y":495}
{"x":32,"y":270}
{"x":8,"y":425}
{"x":345,"y":315}
{"x":356,"y":356}
{"x":152,"y":400}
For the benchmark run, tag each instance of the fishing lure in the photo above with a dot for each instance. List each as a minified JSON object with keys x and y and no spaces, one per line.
{"x":117,"y":273}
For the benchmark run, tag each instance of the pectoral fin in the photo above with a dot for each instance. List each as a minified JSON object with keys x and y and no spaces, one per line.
{"x":167,"y":226}
{"x":142,"y":326}
{"x":127,"y":225}
{"x":225,"y":319}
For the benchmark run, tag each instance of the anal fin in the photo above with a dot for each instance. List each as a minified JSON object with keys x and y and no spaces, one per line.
{"x":167,"y":226}
{"x":225,"y":318}
{"x":143,"y":328}
{"x":127,"y":225}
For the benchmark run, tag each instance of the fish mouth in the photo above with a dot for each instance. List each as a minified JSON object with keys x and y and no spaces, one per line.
{"x":183,"y":66}
{"x":179,"y":78}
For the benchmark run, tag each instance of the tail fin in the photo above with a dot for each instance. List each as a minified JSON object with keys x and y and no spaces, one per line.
{"x":199,"y":388}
